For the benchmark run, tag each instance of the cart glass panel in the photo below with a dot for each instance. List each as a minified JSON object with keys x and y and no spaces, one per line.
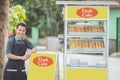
{"x":87,"y":41}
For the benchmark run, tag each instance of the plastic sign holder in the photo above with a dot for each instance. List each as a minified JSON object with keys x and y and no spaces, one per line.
{"x":42,"y":66}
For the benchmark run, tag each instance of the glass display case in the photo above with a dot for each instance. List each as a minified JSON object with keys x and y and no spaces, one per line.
{"x":86,"y":42}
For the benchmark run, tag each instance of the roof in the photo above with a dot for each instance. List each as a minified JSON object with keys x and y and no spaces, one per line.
{"x":95,"y":3}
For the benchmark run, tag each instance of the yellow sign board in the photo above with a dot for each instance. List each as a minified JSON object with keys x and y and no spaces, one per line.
{"x":86,"y":73}
{"x":86,"y":12}
{"x":42,"y":66}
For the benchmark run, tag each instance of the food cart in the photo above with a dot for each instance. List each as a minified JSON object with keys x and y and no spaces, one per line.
{"x":86,"y":39}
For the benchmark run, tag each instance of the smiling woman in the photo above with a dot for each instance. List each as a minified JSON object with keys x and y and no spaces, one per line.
{"x":20,"y":30}
{"x":16,"y":49}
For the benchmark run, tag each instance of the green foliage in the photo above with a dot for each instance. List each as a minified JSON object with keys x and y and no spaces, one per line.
{"x":17,"y":14}
{"x":44,"y":14}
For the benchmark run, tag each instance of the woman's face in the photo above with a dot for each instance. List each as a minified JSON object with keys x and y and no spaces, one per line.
{"x":20,"y":31}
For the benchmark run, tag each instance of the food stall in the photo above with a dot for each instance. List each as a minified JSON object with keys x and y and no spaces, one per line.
{"x":86,"y":39}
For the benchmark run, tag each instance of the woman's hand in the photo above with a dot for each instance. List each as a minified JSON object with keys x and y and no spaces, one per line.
{"x":33,"y":51}
{"x":25,"y":57}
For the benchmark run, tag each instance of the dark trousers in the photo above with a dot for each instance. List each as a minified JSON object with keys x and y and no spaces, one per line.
{"x":18,"y":75}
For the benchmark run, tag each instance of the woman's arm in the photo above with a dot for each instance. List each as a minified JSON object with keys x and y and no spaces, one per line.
{"x":25,"y":57}
{"x":14,"y":57}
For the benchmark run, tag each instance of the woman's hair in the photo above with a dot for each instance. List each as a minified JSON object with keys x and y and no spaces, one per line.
{"x":21,"y":24}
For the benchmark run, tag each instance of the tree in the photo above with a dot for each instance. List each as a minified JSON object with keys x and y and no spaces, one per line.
{"x":17,"y":14}
{"x":44,"y":14}
{"x":4,"y":10}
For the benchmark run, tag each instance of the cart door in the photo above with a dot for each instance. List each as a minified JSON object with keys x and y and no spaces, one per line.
{"x":118,"y":35}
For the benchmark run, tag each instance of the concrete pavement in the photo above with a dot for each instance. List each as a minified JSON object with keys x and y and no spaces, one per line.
{"x":114,"y":68}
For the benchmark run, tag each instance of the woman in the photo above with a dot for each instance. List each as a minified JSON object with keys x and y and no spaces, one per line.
{"x":16,"y":49}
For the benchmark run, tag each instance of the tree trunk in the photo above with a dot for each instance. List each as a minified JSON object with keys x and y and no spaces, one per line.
{"x":4,"y":10}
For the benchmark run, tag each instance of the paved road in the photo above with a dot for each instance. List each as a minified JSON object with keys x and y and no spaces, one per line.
{"x":114,"y":69}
